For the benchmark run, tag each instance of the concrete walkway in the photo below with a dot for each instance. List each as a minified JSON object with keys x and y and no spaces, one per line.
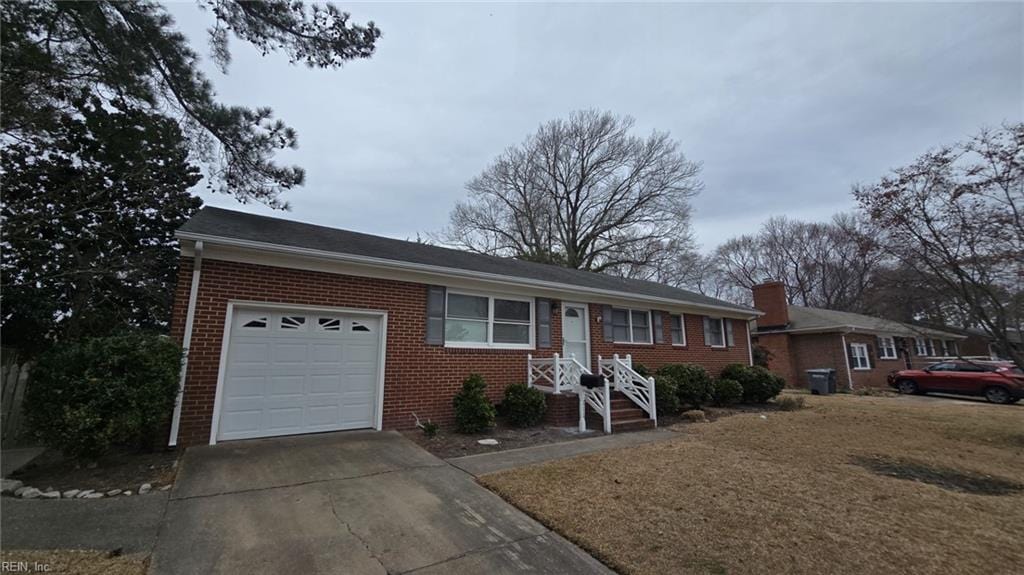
{"x":485,"y":463}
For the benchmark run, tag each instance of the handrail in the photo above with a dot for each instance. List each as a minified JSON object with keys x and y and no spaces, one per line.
{"x":601,"y":400}
{"x":637,"y":388}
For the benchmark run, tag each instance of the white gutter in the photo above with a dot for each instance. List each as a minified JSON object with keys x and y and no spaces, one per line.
{"x":426,"y":268}
{"x":190,"y":316}
{"x":846,"y":357}
{"x":856,"y":329}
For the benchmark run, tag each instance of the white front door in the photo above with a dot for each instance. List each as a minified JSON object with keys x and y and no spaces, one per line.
{"x":576,"y":332}
{"x":299,"y":372}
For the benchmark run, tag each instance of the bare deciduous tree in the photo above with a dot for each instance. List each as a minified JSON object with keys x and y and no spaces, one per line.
{"x":956,"y":218}
{"x":826,"y":265}
{"x":582,"y":193}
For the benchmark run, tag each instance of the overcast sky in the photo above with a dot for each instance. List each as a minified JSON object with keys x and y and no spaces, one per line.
{"x":785,"y":105}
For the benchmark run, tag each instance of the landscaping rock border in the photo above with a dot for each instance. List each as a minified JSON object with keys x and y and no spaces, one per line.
{"x":15,"y":488}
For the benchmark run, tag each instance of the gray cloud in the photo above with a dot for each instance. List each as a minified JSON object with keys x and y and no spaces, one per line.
{"x":786,"y":105}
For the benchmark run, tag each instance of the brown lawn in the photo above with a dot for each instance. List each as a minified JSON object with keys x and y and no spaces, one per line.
{"x":812,"y":491}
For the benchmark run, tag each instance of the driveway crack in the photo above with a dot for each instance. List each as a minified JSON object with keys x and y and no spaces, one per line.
{"x":304,"y":483}
{"x":348,"y":527}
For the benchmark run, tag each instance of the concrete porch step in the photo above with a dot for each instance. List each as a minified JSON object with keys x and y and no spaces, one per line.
{"x":632,"y":424}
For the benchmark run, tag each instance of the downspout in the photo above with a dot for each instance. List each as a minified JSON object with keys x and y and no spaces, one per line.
{"x":750,"y":345}
{"x":197,"y":264}
{"x":846,"y":358}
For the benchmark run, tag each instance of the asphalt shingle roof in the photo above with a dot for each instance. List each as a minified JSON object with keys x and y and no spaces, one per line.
{"x":812,"y":318}
{"x":230,"y":224}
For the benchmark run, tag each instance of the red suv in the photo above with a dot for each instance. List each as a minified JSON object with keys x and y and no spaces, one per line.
{"x":998,"y":382}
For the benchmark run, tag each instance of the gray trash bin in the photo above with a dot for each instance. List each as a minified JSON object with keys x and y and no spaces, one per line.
{"x":822,"y":381}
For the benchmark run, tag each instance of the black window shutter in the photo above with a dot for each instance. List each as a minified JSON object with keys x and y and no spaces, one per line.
{"x":543,"y":322}
{"x":606,"y":319}
{"x":871,"y":356}
{"x":659,"y":331}
{"x":729,"y":341}
{"x":435,"y":315}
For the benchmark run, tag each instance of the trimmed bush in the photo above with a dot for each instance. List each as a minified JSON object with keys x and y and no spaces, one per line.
{"x":524,"y":406}
{"x":666,"y":397}
{"x":726,"y":392}
{"x":89,"y":395}
{"x":473,"y":411}
{"x":693,"y":384}
{"x":759,"y":384}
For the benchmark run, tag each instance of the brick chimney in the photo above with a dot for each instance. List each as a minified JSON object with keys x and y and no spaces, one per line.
{"x":770,"y":297}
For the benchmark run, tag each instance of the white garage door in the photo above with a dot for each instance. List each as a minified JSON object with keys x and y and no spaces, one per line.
{"x":299,"y":372}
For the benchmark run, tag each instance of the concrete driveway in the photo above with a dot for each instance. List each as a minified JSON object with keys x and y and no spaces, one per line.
{"x":353,"y":503}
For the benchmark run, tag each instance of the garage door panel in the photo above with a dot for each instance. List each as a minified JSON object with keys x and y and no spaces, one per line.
{"x":291,"y":352}
{"x":321,"y":375}
{"x":250,"y":353}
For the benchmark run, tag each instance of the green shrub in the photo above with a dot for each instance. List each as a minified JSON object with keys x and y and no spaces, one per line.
{"x":693,"y":384}
{"x":524,"y":406}
{"x":790,"y":402}
{"x":89,"y":395}
{"x":762,"y":355}
{"x":726,"y":392}
{"x":473,"y":411}
{"x":666,"y":398}
{"x":759,"y":384}
{"x":641,"y":369}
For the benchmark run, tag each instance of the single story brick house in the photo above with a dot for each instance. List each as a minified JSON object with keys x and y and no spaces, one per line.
{"x":295,"y":328}
{"x":861,"y":348}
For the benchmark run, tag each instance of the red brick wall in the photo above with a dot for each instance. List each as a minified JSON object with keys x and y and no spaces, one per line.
{"x":781,"y":359}
{"x":419,"y":378}
{"x":880,"y":368}
{"x":653,"y":356}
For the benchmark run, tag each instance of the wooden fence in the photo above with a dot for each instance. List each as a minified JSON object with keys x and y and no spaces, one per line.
{"x":14,"y":377}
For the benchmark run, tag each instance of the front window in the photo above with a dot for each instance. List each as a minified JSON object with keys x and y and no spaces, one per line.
{"x":954,"y":349}
{"x":677,"y":325}
{"x":631,"y":325}
{"x":714,"y":332}
{"x":859,"y":356}
{"x":486,"y":321}
{"x":920,"y":347}
{"x":886,"y":348}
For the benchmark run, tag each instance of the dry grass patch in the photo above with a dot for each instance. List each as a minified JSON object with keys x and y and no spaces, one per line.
{"x":791,"y":494}
{"x":74,"y":562}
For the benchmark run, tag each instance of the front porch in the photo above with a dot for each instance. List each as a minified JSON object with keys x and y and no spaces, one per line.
{"x":619,"y":399}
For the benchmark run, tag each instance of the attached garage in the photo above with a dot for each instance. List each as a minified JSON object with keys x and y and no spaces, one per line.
{"x":291,"y":371}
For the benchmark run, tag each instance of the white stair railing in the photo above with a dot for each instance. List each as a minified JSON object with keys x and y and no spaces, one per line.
{"x":562,"y":374}
{"x":637,"y":388}
{"x":600,"y":399}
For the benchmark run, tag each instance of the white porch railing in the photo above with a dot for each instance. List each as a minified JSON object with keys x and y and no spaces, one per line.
{"x":554,"y":374}
{"x":633,"y":385}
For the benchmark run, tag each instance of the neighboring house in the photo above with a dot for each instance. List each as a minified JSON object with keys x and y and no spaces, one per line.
{"x":978,"y":344}
{"x":861,"y":348}
{"x":295,"y":328}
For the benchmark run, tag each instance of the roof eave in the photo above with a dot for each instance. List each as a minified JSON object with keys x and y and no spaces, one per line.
{"x":409,"y":266}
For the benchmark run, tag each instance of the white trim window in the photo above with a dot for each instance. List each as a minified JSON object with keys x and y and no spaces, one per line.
{"x":677,"y":325}
{"x":921,"y":346}
{"x":714,"y":331}
{"x":886,"y":347}
{"x":859,"y":356}
{"x":631,"y":325}
{"x":476,"y":320}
